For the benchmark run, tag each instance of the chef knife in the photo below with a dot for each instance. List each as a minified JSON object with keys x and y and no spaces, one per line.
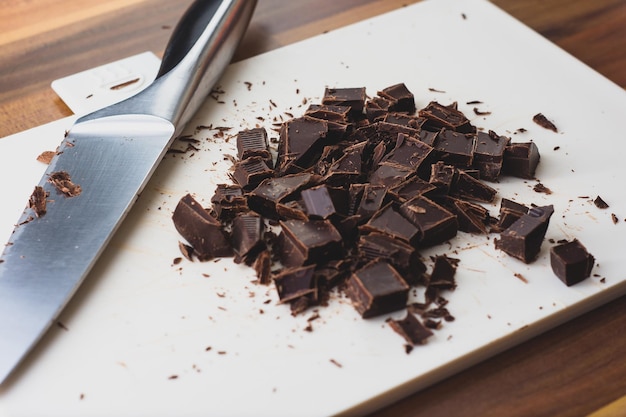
{"x":100,"y":168}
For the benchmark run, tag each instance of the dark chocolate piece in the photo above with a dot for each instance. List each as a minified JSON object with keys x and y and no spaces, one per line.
{"x":317,"y":202}
{"x":411,"y":329}
{"x":442,"y":275}
{"x":263,"y":267}
{"x":510,"y":211}
{"x":390,"y":174}
{"x":253,"y":142}
{"x":347,"y":169}
{"x":292,"y":284}
{"x":377,"y":289}
{"x":404,"y":119}
{"x":301,"y":143}
{"x":402,"y":256}
{"x":291,"y":210}
{"x":376,"y":108}
{"x":247,"y":236}
{"x":201,"y":230}
{"x":410,"y":188}
{"x":600,"y":203}
{"x":264,"y":198}
{"x":468,"y":187}
{"x":372,"y":200}
{"x":228,"y":200}
{"x":471,"y":217}
{"x":571,"y":262}
{"x":408,"y":152}
{"x":317,"y":240}
{"x":329,"y":113}
{"x":401,"y":97}
{"x":522,"y":240}
{"x":442,"y":176}
{"x":435,"y":223}
{"x":251,"y":171}
{"x":388,"y":221}
{"x":521,"y":160}
{"x":439,"y":116}
{"x":489,"y":154}
{"x":38,"y":201}
{"x":352,"y":97}
{"x":455,"y":148}
{"x":543,"y":121}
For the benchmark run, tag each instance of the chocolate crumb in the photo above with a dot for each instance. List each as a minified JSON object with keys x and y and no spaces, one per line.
{"x":63,"y":326}
{"x":46,"y":156}
{"x":600,"y":203}
{"x":543,"y":121}
{"x":481,"y":113}
{"x":62,"y":182}
{"x":614,"y":218}
{"x":337,"y":364}
{"x":38,"y":200}
{"x":521,"y":277}
{"x":540,"y":188}
{"x":172,"y":377}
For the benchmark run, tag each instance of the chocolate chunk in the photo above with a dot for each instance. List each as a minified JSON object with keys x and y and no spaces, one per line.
{"x":247,"y":236}
{"x":264,"y":198}
{"x":521,"y":160}
{"x":316,"y":240}
{"x":372,"y":200}
{"x":228,"y":200}
{"x":301,"y":143}
{"x":404,"y":119}
{"x":489,"y":154}
{"x":347,"y":169}
{"x":410,"y":188}
{"x":468,"y":187}
{"x":571,"y":262}
{"x":253,"y":143}
{"x":401,"y":97}
{"x":523,"y":239}
{"x":377,"y":108}
{"x":317,"y":202}
{"x":329,"y":113}
{"x":390,"y":174}
{"x":38,"y":201}
{"x":295,"y":283}
{"x":63,"y":183}
{"x":411,"y":329}
{"x":442,"y":275}
{"x":455,"y":148}
{"x":471,"y":217}
{"x":388,"y":221}
{"x":262,"y":266}
{"x":351,"y":97}
{"x":377,"y":289}
{"x":201,"y":230}
{"x":435,"y":223}
{"x":442,"y":176}
{"x":402,"y":256}
{"x":510,"y":211}
{"x":543,"y":121}
{"x":439,"y":116}
{"x":291,"y":210}
{"x":408,"y":152}
{"x":251,"y":171}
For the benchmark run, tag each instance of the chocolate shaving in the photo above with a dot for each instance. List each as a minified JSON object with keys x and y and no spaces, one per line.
{"x":38,"y":200}
{"x":543,"y":121}
{"x":62,"y":182}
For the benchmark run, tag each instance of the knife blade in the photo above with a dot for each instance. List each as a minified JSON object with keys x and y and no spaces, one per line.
{"x":99,"y":170}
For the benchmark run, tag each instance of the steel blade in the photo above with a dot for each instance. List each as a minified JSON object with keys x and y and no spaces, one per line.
{"x":47,"y":257}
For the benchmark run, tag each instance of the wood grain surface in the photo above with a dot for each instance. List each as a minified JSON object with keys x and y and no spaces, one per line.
{"x":573,"y":370}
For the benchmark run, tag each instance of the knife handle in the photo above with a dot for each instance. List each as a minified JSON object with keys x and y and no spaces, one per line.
{"x":200,"y":48}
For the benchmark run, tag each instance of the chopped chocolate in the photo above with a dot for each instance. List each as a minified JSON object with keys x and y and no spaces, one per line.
{"x":253,"y":143}
{"x":410,"y":188}
{"x":329,"y":113}
{"x":543,"y":121}
{"x":400,"y":255}
{"x":510,"y":211}
{"x":390,"y":174}
{"x":600,"y":203}
{"x":271,"y":191}
{"x":317,"y":240}
{"x":408,"y":152}
{"x":203,"y":231}
{"x":442,"y":275}
{"x":435,"y":223}
{"x":523,"y":239}
{"x":351,"y":97}
{"x":468,"y":187}
{"x":38,"y":201}
{"x":291,"y":210}
{"x":402,"y":98}
{"x":540,"y":188}
{"x":62,"y":182}
{"x":318,"y":202}
{"x":377,"y":289}
{"x":228,"y":200}
{"x":388,"y":221}
{"x":251,"y":171}
{"x":46,"y":157}
{"x":295,"y":283}
{"x":455,"y":148}
{"x":411,"y":329}
{"x":372,"y":199}
{"x":489,"y":154}
{"x":301,"y":142}
{"x":347,"y":169}
{"x":571,"y":262}
{"x":442,"y":176}
{"x":247,"y":236}
{"x":471,"y":217}
{"x":404,"y":119}
{"x":439,"y":116}
{"x":521,"y":160}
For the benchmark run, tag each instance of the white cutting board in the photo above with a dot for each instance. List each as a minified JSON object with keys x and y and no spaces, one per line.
{"x":146,"y":337}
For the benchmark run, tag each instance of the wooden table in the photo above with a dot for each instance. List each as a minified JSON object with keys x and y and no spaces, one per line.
{"x":572,"y":370}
